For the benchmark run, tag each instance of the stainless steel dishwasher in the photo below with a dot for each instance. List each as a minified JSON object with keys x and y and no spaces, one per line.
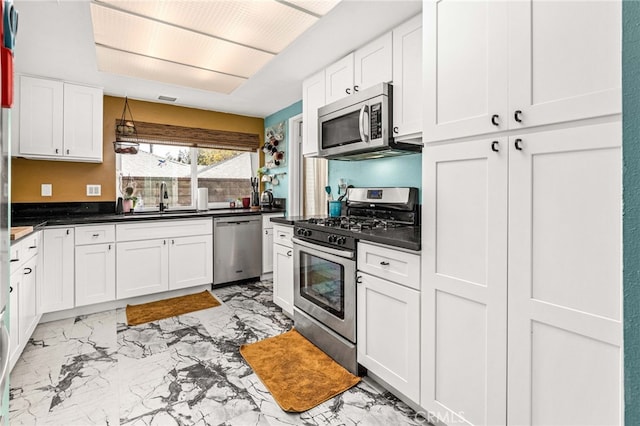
{"x":237,"y":248}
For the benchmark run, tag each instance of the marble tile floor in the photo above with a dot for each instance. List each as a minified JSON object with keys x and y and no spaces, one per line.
{"x":186,"y":370}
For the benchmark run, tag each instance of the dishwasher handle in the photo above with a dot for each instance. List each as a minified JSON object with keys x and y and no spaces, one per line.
{"x":237,"y":222}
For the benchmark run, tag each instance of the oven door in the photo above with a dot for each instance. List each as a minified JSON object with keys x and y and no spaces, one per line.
{"x":325,"y":286}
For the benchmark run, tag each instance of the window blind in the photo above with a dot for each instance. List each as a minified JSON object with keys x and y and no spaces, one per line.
{"x":168,"y":134}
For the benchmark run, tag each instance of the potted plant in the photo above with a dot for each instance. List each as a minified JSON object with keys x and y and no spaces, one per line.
{"x":130,"y":200}
{"x":127,"y":188}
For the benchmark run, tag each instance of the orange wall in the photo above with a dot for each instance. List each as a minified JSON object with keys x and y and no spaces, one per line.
{"x":69,"y":179}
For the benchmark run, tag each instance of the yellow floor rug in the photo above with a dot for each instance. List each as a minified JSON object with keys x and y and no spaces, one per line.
{"x":153,"y":311}
{"x":297,"y":373}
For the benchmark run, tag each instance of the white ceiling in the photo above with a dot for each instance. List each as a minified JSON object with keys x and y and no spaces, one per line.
{"x":55,"y":39}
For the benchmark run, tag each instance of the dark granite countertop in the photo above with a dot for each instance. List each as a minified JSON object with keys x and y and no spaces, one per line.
{"x":92,"y":218}
{"x":406,"y":237}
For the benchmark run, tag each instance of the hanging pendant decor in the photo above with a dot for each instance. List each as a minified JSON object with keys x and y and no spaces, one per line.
{"x":126,"y":134}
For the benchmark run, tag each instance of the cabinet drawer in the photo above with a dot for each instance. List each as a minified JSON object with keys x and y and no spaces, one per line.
{"x":24,"y":250}
{"x":282,"y":235}
{"x":163,"y":229}
{"x":95,"y":234}
{"x":391,"y":264}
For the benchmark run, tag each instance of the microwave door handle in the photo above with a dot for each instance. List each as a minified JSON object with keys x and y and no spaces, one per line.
{"x":364,"y":111}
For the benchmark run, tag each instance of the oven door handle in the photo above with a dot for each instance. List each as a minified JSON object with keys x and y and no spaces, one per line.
{"x":342,"y":253}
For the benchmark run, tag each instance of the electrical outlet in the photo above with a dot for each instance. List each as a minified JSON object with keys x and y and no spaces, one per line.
{"x":94,"y":190}
{"x":46,"y":190}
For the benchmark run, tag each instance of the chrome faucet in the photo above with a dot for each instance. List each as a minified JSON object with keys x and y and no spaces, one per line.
{"x":164,"y":197}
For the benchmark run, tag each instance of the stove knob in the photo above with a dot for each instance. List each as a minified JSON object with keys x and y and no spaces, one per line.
{"x":341,"y":241}
{"x":307,"y":232}
{"x":299,"y":231}
{"x":332,"y":238}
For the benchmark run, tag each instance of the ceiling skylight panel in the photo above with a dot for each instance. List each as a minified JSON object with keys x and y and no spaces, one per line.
{"x":117,"y":62}
{"x":151,"y":38}
{"x":265,"y":24}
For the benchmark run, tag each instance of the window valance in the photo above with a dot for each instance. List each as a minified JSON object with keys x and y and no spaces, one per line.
{"x":192,"y":137}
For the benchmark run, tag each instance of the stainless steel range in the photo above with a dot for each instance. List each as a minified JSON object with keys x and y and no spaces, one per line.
{"x":325,"y":266}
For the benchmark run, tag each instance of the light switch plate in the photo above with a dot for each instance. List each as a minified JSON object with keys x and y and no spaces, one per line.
{"x":94,"y":190}
{"x":46,"y":190}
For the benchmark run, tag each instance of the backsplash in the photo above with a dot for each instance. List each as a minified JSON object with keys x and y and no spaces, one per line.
{"x":405,"y":170}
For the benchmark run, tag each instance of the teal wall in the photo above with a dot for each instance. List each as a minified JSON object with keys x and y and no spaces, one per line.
{"x":631,"y":206}
{"x":281,"y":190}
{"x":405,"y":170}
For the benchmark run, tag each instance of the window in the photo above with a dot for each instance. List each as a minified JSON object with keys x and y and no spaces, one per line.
{"x":226,"y":174}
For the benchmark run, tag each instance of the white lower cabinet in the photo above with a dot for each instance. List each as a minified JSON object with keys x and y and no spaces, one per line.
{"x":190,"y":261}
{"x":28,"y":317}
{"x":57,"y":293}
{"x":95,"y":274}
{"x":283,"y":267}
{"x":389,"y":334}
{"x":142,"y":268}
{"x":283,"y":277}
{"x":388,"y":318}
{"x":180,"y":256}
{"x":15,"y":342}
{"x":95,"y":264}
{"x":267,"y":241}
{"x":23,"y":299}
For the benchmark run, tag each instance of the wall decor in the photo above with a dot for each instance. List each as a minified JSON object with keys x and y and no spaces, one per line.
{"x":274,"y":147}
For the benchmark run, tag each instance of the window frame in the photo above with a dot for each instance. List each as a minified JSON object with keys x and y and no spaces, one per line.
{"x":193,"y":153}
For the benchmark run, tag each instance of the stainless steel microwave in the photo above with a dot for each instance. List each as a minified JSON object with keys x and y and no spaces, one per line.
{"x":359,"y":126}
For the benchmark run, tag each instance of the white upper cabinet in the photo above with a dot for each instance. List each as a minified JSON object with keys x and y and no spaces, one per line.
{"x":465,"y":68}
{"x":367,"y":66}
{"x":313,"y":97}
{"x":40,"y":116}
{"x":372,"y":64}
{"x":339,"y":79}
{"x":564,"y":61}
{"x":492,"y":66}
{"x":59,"y":121}
{"x":407,"y":80}
{"x":83,"y":122}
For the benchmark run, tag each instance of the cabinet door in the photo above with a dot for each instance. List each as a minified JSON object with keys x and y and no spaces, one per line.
{"x":339,"y":79}
{"x":465,"y":74}
{"x":14,"y":317}
{"x":143,"y":268}
{"x":83,"y":122}
{"x":565,"y":311}
{"x":313,"y":97}
{"x":95,"y":274}
{"x":57,"y":288}
{"x":190,"y":261}
{"x":283,"y":277}
{"x":28,"y":312}
{"x":267,"y":250}
{"x":564,"y":60}
{"x":41,"y":103}
{"x":407,"y":80}
{"x":389,"y":333}
{"x":464,"y":289}
{"x":372,"y":64}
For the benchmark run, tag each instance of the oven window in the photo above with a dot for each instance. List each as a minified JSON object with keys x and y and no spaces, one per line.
{"x":322,"y":283}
